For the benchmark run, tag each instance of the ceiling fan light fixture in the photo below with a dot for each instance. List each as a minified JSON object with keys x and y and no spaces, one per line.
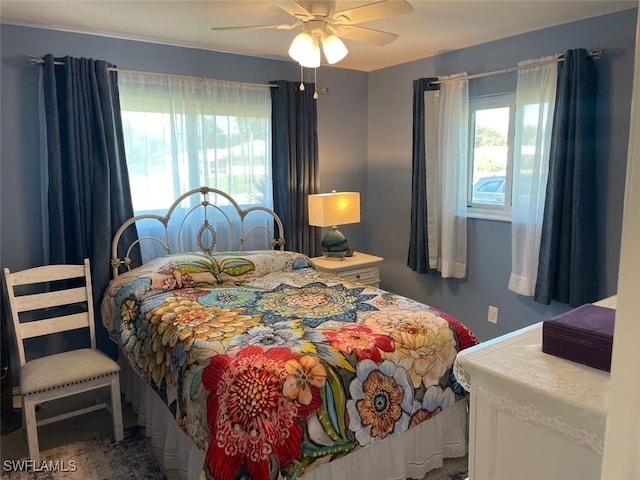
{"x":305,"y":49}
{"x":334,"y":49}
{"x":322,"y":26}
{"x":301,"y":45}
{"x":312,"y":57}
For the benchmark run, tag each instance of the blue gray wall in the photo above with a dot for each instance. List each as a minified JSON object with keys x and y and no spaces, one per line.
{"x":489,"y":242}
{"x":365,"y":145}
{"x":342,"y":131}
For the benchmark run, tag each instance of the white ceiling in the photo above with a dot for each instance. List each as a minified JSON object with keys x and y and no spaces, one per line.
{"x":433,"y":26}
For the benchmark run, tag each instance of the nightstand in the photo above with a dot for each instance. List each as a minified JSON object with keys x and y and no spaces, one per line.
{"x":361,"y":267}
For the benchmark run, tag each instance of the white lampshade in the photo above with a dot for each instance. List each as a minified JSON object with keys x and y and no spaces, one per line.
{"x":332,"y":209}
{"x":312,"y":60}
{"x":305,"y":50}
{"x":300,"y":45}
{"x":334,"y":49}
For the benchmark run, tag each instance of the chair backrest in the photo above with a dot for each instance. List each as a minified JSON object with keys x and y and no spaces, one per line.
{"x":49,"y":303}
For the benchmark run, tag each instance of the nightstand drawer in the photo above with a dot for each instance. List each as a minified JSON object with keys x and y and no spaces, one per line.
{"x":362,"y":275}
{"x":361,"y":267}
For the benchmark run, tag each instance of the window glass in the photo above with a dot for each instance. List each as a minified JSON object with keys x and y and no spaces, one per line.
{"x":491,"y":130}
{"x":181,"y":134}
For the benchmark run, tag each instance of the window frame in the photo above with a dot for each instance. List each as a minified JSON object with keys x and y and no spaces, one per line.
{"x":487,"y":211}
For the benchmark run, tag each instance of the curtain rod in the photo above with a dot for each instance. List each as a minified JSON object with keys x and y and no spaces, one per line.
{"x":40,"y":61}
{"x":596,"y":54}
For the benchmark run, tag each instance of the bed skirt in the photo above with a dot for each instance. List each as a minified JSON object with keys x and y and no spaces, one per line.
{"x":409,"y":455}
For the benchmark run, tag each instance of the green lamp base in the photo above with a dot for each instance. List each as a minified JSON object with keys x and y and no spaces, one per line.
{"x":334,"y":244}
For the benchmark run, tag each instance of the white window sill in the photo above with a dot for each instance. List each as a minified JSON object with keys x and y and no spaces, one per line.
{"x":487,"y":214}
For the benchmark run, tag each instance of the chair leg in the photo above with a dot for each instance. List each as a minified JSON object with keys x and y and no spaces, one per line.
{"x":24,"y":417}
{"x":29,"y":409}
{"x":116,"y":408}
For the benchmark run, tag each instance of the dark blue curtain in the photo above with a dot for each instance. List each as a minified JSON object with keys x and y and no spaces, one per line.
{"x":418,"y":257}
{"x":88,"y":193}
{"x":295,"y":163}
{"x":567,"y":269}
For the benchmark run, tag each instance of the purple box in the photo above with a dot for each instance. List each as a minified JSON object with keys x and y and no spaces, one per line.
{"x":583,"y":335}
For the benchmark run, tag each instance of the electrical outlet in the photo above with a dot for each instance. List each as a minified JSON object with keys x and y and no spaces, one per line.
{"x":492,"y":316}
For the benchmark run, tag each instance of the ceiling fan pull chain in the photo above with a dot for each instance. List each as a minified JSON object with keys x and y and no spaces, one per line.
{"x":302,"y":78}
{"x":315,"y":84}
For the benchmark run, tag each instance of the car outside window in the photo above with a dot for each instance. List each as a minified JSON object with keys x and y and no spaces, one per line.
{"x":491,"y":125}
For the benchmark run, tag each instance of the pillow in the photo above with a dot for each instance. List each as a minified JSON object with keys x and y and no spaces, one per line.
{"x":196,"y":269}
{"x":239,"y":266}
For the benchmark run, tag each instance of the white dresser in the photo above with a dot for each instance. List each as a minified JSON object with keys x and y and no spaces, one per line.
{"x":533,"y":416}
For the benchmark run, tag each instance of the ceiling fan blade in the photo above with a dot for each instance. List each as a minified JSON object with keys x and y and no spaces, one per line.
{"x":295,"y":9}
{"x":365,"y":35}
{"x":373,"y":11}
{"x":259,"y":27}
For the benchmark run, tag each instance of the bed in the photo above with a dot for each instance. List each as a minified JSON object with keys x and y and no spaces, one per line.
{"x":252,"y":364}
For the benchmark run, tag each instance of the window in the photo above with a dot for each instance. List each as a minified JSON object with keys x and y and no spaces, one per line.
{"x":231,"y":156}
{"x":184,"y":133}
{"x":491,"y":130}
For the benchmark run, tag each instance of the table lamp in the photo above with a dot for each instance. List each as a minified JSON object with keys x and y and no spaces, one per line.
{"x":330,"y":210}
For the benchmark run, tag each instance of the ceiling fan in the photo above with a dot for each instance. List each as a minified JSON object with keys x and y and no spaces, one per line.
{"x":322,"y":24}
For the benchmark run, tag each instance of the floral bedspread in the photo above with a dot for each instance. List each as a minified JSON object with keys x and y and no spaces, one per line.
{"x":271,"y":366}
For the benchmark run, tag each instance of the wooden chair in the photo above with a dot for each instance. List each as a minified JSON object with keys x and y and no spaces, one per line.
{"x":61,"y":374}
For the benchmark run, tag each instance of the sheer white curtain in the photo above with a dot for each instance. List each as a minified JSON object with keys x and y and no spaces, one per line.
{"x":447,"y":175}
{"x":432,"y":131}
{"x":182,"y":133}
{"x":535,"y":100}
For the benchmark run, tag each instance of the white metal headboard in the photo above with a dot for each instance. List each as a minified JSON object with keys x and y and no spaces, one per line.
{"x":215,"y":207}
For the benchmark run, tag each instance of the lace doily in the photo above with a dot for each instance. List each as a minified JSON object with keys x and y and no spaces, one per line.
{"x":587,"y":436}
{"x":514,"y":375}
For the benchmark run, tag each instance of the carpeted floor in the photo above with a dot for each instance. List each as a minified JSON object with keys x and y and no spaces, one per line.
{"x":100,"y":458}
{"x":457,"y":476}
{"x":82,"y":448}
{"x":453,"y":469}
